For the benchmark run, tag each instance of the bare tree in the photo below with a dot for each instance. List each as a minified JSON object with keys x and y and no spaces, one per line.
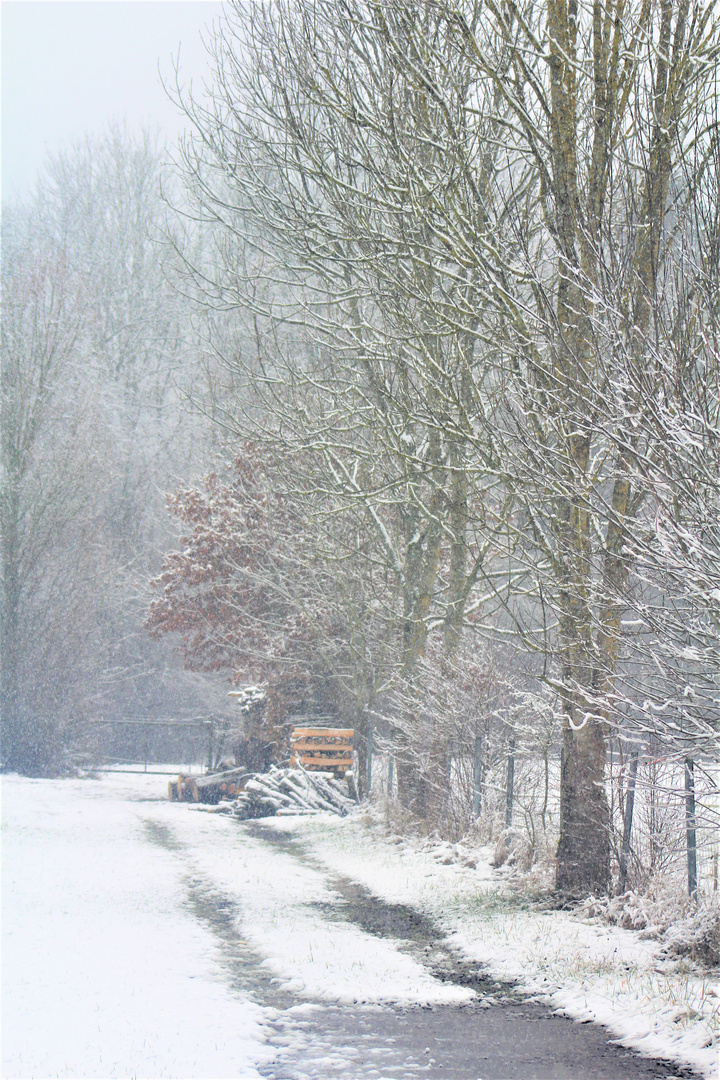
{"x":96,"y":348}
{"x":470,"y":214}
{"x":606,"y":99}
{"x":49,"y":493}
{"x":314,"y":165}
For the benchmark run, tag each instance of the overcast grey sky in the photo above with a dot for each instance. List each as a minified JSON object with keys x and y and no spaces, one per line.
{"x":70,"y":67}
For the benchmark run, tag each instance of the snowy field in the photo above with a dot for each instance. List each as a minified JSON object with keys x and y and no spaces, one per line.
{"x":104,"y":973}
{"x":108,"y":973}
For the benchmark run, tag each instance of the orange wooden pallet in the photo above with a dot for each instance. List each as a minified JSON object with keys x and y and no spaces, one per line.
{"x":322,"y":749}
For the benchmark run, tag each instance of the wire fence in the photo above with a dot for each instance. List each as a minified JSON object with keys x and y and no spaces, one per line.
{"x":522,"y":791}
{"x":160,"y":746}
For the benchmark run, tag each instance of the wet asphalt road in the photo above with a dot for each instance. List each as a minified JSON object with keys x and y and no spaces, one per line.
{"x":499,"y":1036}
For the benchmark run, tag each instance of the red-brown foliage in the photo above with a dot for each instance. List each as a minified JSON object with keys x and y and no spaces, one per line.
{"x":231,"y":592}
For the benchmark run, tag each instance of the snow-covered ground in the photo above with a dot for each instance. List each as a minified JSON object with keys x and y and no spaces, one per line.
{"x":108,"y":973}
{"x":589,"y":970}
{"x":105,"y":974}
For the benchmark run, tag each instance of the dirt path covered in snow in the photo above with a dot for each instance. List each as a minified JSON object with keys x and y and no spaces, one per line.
{"x":498,"y":1035}
{"x":146,"y":939}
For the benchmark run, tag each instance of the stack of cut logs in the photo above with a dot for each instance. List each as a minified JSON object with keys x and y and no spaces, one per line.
{"x":207,"y":789}
{"x":294,"y":791}
{"x":277,"y":792}
{"x":319,"y":778}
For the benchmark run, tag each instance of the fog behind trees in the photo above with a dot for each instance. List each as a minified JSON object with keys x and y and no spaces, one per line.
{"x":100,"y":362}
{"x":430,"y":303}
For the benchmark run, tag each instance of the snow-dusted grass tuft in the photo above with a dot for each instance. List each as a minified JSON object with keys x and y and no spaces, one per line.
{"x":660,"y":1004}
{"x":681,"y":927}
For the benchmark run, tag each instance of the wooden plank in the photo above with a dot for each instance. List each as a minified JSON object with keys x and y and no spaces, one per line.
{"x":344,"y":736}
{"x":324,"y":763}
{"x":323,"y":751}
{"x":337,"y":746}
{"x":325,"y":740}
{"x":344,"y":733}
{"x":322,"y":755}
{"x":329,"y":766}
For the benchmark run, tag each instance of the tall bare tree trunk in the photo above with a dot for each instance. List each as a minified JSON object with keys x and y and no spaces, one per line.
{"x":10,"y":656}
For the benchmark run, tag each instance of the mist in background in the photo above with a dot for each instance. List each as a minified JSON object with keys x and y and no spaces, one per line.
{"x":70,"y":68}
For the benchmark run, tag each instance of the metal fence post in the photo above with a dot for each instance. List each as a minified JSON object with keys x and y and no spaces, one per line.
{"x":690,"y":826}
{"x":477,"y":777}
{"x":369,"y":758}
{"x":627,"y":825}
{"x":510,"y":782}
{"x":211,"y":742}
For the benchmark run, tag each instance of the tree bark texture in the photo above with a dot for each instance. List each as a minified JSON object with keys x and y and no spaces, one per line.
{"x":589,"y":627}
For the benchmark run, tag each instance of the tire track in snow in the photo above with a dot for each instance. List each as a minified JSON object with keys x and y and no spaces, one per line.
{"x":413,"y":932}
{"x":497,"y":1035}
{"x":312,"y":1040}
{"x":558,"y":1048}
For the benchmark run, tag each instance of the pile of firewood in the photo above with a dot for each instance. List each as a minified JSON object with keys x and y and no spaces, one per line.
{"x":282,"y":792}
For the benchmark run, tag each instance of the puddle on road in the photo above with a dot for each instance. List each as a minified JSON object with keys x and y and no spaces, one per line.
{"x":500,"y":1036}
